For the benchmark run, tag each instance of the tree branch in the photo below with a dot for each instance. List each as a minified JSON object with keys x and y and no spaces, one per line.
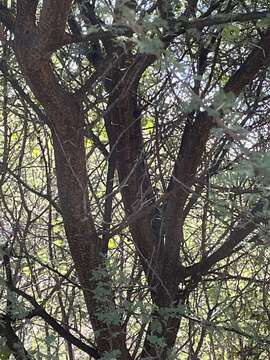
{"x":52,"y":22}
{"x":55,"y":324}
{"x":221,"y":19}
{"x":195,"y":135}
{"x":26,"y":15}
{"x":241,"y":231}
{"x":13,"y":343}
{"x":6,"y":17}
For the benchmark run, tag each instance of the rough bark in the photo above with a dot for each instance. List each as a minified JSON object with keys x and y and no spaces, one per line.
{"x":32,"y":46}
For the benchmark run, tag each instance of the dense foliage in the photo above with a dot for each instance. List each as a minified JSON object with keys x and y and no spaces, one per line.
{"x":135,"y":179}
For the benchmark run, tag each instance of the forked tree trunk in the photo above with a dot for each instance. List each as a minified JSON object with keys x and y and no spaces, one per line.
{"x":123,"y":124}
{"x":66,"y":123}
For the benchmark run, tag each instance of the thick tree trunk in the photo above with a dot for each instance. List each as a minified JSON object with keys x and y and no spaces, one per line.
{"x":123,"y":123}
{"x":66,"y":122}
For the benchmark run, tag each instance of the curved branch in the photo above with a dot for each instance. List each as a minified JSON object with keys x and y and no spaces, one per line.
{"x":55,"y":324}
{"x":196,"y":135}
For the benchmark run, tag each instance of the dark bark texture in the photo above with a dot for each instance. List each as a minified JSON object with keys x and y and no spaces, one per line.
{"x":34,"y":43}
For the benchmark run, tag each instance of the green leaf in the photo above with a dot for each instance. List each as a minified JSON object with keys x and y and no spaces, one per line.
{"x":151,"y":46}
{"x":50,"y":339}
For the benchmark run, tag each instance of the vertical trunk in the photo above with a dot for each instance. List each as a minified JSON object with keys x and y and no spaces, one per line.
{"x":66,"y":123}
{"x":123,"y":125}
{"x":83,"y":241}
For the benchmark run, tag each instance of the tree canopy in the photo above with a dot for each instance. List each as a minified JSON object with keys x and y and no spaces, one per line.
{"x":135,"y":179}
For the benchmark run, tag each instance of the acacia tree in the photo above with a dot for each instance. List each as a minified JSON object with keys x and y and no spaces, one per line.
{"x":151,"y":110}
